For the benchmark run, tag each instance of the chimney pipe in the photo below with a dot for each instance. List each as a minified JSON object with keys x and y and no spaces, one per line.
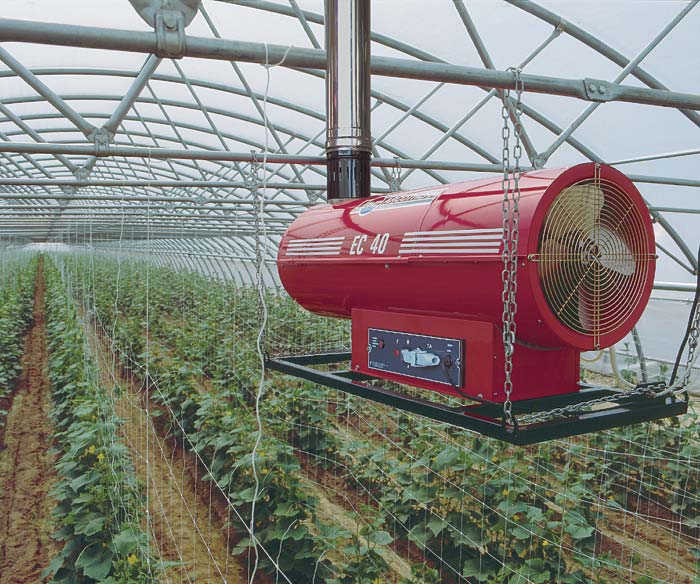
{"x":348,"y":116}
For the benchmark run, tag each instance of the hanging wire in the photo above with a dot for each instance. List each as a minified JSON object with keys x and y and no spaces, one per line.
{"x":261,"y":243}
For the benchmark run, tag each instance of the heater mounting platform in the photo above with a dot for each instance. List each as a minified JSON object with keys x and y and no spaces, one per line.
{"x":487,"y":418}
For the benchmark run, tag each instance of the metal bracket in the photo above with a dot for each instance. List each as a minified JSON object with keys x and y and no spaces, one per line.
{"x":82,"y":174}
{"x":487,"y":418}
{"x":599,"y":90}
{"x":102,"y":139}
{"x":170,"y":34}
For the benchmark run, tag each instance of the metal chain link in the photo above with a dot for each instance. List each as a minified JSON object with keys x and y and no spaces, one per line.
{"x":650,"y":390}
{"x":395,"y":182}
{"x":511,"y":217}
{"x":693,"y":339}
{"x":511,"y":235}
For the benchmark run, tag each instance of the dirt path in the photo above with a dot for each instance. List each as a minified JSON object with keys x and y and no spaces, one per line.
{"x":650,"y":548}
{"x":26,"y":468}
{"x":184,"y":528}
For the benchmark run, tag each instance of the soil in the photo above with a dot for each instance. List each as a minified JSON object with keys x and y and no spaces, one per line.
{"x":187,"y":527}
{"x":26,"y":466}
{"x":647,"y":548}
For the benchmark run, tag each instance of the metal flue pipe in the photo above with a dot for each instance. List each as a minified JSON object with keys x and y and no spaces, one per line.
{"x":348,"y":115}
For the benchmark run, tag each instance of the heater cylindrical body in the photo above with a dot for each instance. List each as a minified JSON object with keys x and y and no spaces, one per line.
{"x":586,"y":255}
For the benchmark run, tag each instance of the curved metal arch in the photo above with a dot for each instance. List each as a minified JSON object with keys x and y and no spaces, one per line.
{"x":424,"y":54}
{"x":224,"y":113}
{"x":422,"y":116}
{"x":412,"y":51}
{"x":597,"y":45}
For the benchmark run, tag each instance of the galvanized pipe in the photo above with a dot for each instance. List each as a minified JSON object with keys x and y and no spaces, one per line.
{"x":215,"y":155}
{"x":674,"y":286}
{"x":206,"y":48}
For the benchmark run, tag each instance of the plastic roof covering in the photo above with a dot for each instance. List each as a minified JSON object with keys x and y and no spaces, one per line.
{"x":217,"y":105}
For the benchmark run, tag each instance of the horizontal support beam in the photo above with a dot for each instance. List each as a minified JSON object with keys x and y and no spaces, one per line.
{"x":674,"y":287}
{"x":661,"y":156}
{"x":202,"y":203}
{"x":220,"y":155}
{"x":664,"y":180}
{"x":683,"y":210}
{"x":454,"y":166}
{"x":207,"y":48}
{"x":204,"y":184}
{"x":174,"y":211}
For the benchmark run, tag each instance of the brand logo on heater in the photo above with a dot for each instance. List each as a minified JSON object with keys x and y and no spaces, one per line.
{"x":464,"y":241}
{"x":398,"y":201}
{"x":316,"y":246}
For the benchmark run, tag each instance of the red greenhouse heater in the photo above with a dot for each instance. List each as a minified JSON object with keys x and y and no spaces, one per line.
{"x":420,"y":274}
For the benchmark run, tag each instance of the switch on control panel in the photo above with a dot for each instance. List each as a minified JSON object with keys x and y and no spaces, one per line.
{"x":419,"y":358}
{"x":437,"y":359}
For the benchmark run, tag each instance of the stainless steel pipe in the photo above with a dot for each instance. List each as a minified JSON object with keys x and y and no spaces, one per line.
{"x":348,"y":114}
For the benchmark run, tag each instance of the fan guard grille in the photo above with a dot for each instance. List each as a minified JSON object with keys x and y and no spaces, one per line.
{"x":594,"y":257}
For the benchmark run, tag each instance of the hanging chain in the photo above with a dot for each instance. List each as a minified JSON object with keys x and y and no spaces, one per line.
{"x":253,"y":181}
{"x":693,"y":338}
{"x":395,"y":181}
{"x":511,"y":217}
{"x":648,"y":390}
{"x":511,"y":235}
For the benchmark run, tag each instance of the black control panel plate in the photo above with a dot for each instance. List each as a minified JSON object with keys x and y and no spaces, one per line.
{"x":436,"y":359}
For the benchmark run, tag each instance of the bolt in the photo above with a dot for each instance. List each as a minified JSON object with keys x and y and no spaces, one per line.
{"x":601,"y":88}
{"x":591,"y":88}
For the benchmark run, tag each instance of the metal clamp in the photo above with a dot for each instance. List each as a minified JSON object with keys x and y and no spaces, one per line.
{"x":81,"y":174}
{"x":171,"y":41}
{"x":102,"y":139}
{"x":599,"y":90}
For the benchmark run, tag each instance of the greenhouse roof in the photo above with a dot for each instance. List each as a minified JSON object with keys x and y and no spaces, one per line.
{"x":103,"y":141}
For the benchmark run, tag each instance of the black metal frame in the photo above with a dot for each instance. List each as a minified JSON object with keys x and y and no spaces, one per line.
{"x":487,"y":419}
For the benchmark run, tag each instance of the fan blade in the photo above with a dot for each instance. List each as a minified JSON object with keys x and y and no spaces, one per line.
{"x":581,"y":206}
{"x":552,"y":253}
{"x":614,"y":252}
{"x":585,"y":311}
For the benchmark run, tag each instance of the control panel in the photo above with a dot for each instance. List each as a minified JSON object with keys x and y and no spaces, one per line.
{"x":435,"y":359}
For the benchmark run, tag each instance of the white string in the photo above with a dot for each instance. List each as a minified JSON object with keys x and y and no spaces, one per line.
{"x":148,"y":352}
{"x":263,"y":304}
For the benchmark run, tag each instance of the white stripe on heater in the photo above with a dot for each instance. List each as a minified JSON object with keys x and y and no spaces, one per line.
{"x":486,"y":237}
{"x":317,"y":240}
{"x":472,"y":250}
{"x":315,"y":247}
{"x":312,"y":253}
{"x":464,"y":244}
{"x":455,"y":232}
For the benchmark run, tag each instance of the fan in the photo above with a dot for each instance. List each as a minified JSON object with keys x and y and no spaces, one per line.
{"x":590,"y":251}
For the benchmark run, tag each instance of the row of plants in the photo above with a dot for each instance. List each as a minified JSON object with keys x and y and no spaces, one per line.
{"x":535,"y":517}
{"x":222,"y":434}
{"x":100,"y":508}
{"x":16,"y":296}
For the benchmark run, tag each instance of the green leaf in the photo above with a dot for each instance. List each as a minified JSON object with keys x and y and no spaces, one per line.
{"x":380,"y":538}
{"x":436,"y":525}
{"x":95,"y":561}
{"x":127,"y":541}
{"x":476,"y":569}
